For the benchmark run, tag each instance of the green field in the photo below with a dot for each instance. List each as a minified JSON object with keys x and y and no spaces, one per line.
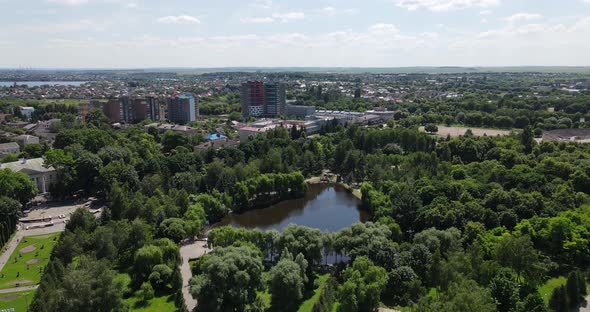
{"x":19,"y":300}
{"x":161,"y":302}
{"x":546,"y":289}
{"x":26,"y":264}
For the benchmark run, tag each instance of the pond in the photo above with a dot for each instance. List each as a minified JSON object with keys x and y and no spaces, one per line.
{"x":325,"y":207}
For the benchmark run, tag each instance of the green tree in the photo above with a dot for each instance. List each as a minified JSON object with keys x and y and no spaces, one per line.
{"x":213,"y":207}
{"x":527,"y":139}
{"x":17,"y":185}
{"x":431,"y":128}
{"x":145,"y":259}
{"x":558,"y":301}
{"x":573,"y":289}
{"x":286,"y":284}
{"x":146,"y":292}
{"x":194,"y":219}
{"x":172,"y":228}
{"x":518,"y":253}
{"x":505,"y":290}
{"x":228,"y":280}
{"x":362,"y":287}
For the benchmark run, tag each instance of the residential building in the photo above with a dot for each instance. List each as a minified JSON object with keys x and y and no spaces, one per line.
{"x":274,"y":99}
{"x":113,"y":109}
{"x":43,"y":176}
{"x":127,"y":110}
{"x":252,"y":94}
{"x":9,"y":148}
{"x":84,"y":108}
{"x":183,"y":108}
{"x":27,"y":111}
{"x":263,"y":99}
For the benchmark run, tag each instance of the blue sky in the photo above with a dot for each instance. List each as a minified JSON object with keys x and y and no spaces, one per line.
{"x":270,"y":33}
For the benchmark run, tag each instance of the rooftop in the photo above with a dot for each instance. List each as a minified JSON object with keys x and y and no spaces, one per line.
{"x":9,"y":145}
{"x":35,"y":165}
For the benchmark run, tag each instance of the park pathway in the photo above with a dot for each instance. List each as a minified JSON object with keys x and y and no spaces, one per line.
{"x":11,"y":247}
{"x":17,"y":289}
{"x":190,"y":251}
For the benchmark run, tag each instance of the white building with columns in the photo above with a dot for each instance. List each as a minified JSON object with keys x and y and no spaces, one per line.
{"x":35,"y":168}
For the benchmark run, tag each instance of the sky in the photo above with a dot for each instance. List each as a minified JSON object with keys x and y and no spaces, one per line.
{"x":303,"y":33}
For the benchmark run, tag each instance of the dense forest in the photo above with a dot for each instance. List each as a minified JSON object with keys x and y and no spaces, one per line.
{"x":458,"y":224}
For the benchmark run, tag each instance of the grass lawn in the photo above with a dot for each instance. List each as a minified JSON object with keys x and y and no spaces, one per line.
{"x":25,"y":265}
{"x":546,"y":289}
{"x":161,"y":302}
{"x":19,"y":301}
{"x":307,"y":305}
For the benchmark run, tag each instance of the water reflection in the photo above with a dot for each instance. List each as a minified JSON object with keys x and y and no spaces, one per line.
{"x":325,"y":207}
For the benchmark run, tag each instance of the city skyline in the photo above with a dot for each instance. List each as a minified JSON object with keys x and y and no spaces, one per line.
{"x":263,"y":33}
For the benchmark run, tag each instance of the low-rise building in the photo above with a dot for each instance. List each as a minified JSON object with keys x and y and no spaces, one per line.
{"x":27,"y":111}
{"x":43,"y":176}
{"x":299,"y":111}
{"x":216,"y":144}
{"x":25,"y":139}
{"x":9,"y":148}
{"x":186,"y":130}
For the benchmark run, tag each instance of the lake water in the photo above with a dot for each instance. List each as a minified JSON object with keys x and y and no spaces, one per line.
{"x":325,"y":207}
{"x":41,"y":83}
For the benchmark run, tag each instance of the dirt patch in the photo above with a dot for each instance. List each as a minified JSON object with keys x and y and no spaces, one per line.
{"x":28,"y":249}
{"x":21,"y":281}
{"x":458,"y":131}
{"x":33,"y":261}
{"x":9,"y":297}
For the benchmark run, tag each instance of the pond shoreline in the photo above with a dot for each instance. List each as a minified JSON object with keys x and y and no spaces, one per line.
{"x":327,"y":206}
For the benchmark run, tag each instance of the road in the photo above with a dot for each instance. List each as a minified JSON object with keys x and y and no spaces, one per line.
{"x":187,"y":252}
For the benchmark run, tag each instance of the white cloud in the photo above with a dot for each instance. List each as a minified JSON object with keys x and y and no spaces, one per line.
{"x":68,"y":2}
{"x":383,"y":28}
{"x":257,"y":20}
{"x":332,"y":11}
{"x":485,"y":12}
{"x":523,"y":17}
{"x":179,"y":19}
{"x":285,"y":17}
{"x":81,"y":2}
{"x":282,"y":17}
{"x":444,"y":5}
{"x":262,"y":4}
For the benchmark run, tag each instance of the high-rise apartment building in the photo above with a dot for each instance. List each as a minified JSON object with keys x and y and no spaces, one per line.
{"x":183,"y":108}
{"x":130,"y":111}
{"x":274,"y":99}
{"x":263,"y":99}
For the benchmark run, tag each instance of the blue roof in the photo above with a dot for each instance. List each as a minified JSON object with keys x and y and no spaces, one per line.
{"x":215,"y":136}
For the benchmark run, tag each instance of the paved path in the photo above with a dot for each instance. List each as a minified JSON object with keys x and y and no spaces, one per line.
{"x":10,"y":247}
{"x":187,"y":252}
{"x":17,"y":289}
{"x":584,"y":306}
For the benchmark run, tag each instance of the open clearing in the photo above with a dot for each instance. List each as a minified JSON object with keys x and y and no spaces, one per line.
{"x":25,"y":266}
{"x":458,"y":131}
{"x":18,"y":301}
